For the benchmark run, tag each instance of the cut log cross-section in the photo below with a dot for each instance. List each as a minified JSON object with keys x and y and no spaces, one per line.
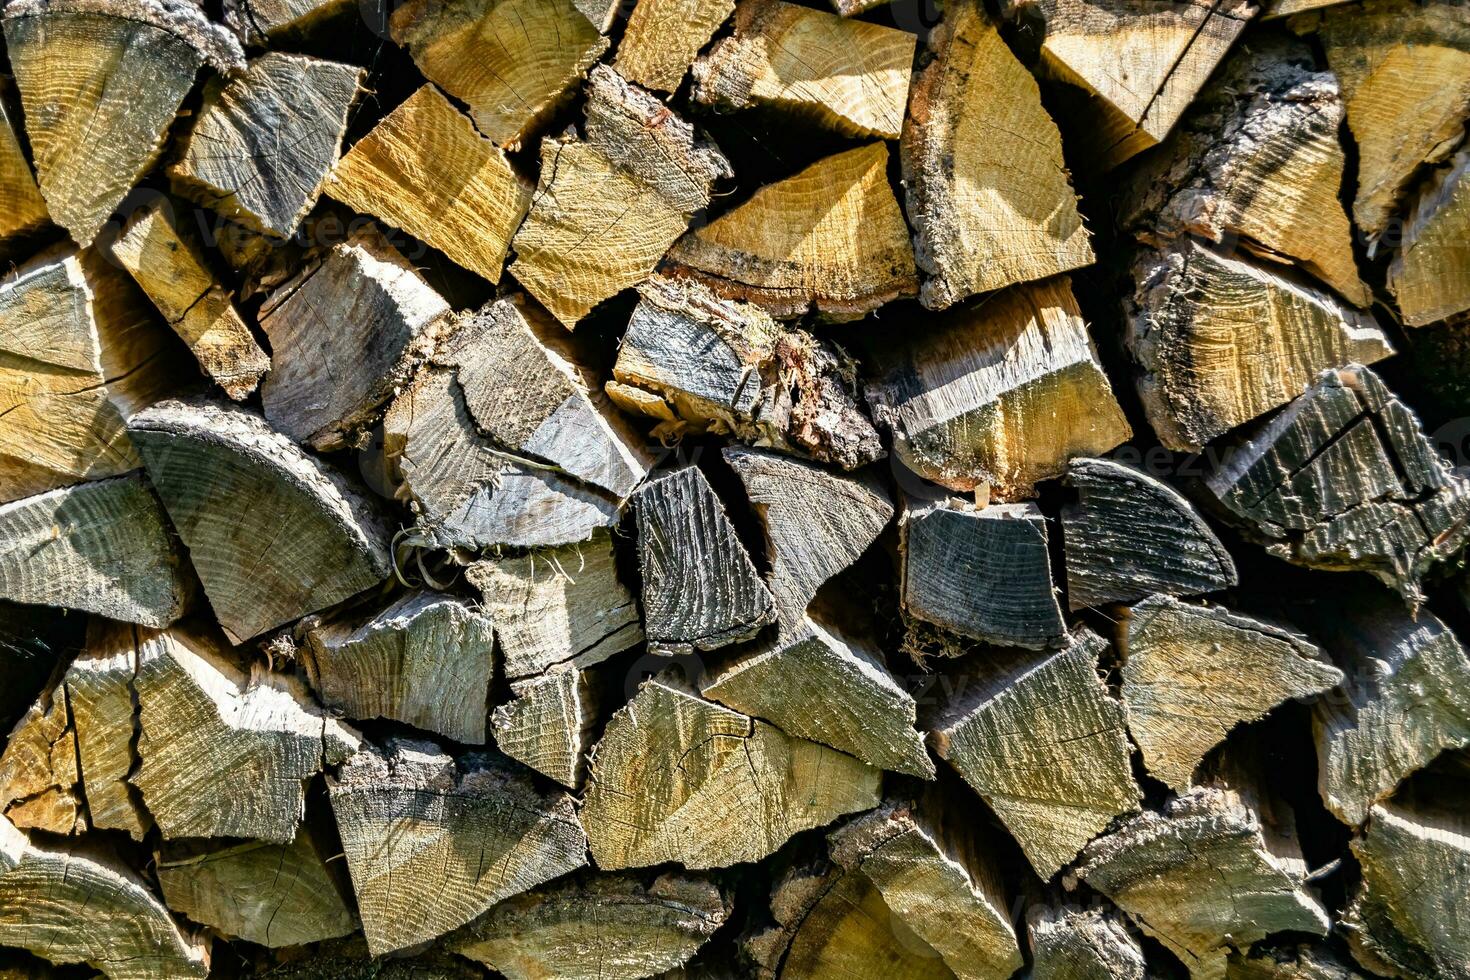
{"x":100,"y":695}
{"x":1082,"y":944}
{"x":26,"y":208}
{"x":1430,"y":275}
{"x":663,"y":37}
{"x":40,"y":781}
{"x":549,"y":724}
{"x":260,"y":22}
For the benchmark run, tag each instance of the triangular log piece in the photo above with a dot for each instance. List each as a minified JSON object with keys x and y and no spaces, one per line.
{"x":540,"y":51}
{"x":689,"y":359}
{"x":984,"y":573}
{"x":433,"y":842}
{"x":1344,"y":479}
{"x":988,"y":192}
{"x":1191,"y":674}
{"x":1256,"y":164}
{"x":549,"y":726}
{"x":701,"y":591}
{"x":815,"y":683}
{"x":100,"y":81}
{"x":1041,"y":740}
{"x":1004,"y":393}
{"x":103,"y":547}
{"x":1092,"y":943}
{"x":846,"y":75}
{"x":25,"y":207}
{"x":557,"y":606}
{"x":1129,"y":536}
{"x":1302,"y":961}
{"x":79,"y":353}
{"x":205,"y":721}
{"x":598,"y":927}
{"x":40,"y":780}
{"x":99,"y":694}
{"x":609,"y":205}
{"x":1430,"y":275}
{"x":76,"y":903}
{"x":273,"y":533}
{"x":1205,"y":876}
{"x":830,"y":238}
{"x":663,"y":37}
{"x":1220,"y":340}
{"x":602,"y":14}
{"x":426,"y":660}
{"x":169,"y":264}
{"x":345,"y":335}
{"x":676,"y":778}
{"x":259,"y":22}
{"x":424,"y":169}
{"x":271,"y":894}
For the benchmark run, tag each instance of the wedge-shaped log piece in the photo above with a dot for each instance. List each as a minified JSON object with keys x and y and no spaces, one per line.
{"x":511,"y":61}
{"x":676,"y":778}
{"x":815,"y":683}
{"x":1082,"y":944}
{"x":1039,"y":737}
{"x":1192,"y":673}
{"x":830,"y":238}
{"x":426,"y":660}
{"x":77,"y":903}
{"x":271,"y":894}
{"x":259,"y":22}
{"x":79,"y":353}
{"x":424,"y":169}
{"x":273,"y":533}
{"x":699,"y":363}
{"x":1220,"y":340}
{"x":205,"y":721}
{"x":40,"y":780}
{"x":1256,"y":162}
{"x":99,"y":694}
{"x":984,"y":573}
{"x":1205,"y":875}
{"x":549,"y":724}
{"x":700,"y":588}
{"x":846,"y":75}
{"x":432,"y":842}
{"x":1430,"y":275}
{"x":602,"y":14}
{"x":103,"y":547}
{"x":598,"y":927}
{"x":1303,"y":961}
{"x":557,"y":606}
{"x":169,"y":264}
{"x":1344,"y":479}
{"x":25,"y":207}
{"x":1129,"y":536}
{"x":609,"y":205}
{"x":100,"y":82}
{"x":265,"y":140}
{"x":345,"y":335}
{"x":663,"y":37}
{"x":1003,"y":393}
{"x":982,"y":161}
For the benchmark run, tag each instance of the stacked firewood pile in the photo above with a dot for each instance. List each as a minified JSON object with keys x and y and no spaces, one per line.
{"x":735,"y":488}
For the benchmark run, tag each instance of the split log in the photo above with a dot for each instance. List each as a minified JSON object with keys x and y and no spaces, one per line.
{"x":1430,"y":275}
{"x":99,"y":694}
{"x":40,"y":781}
{"x":1303,"y":961}
{"x":103,"y":547}
{"x":846,"y":75}
{"x":1343,"y":478}
{"x":1082,"y":944}
{"x":432,"y":842}
{"x":1141,"y":64}
{"x":78,"y":355}
{"x":94,"y":125}
{"x":601,"y":13}
{"x":1256,"y":162}
{"x":204,"y":721}
{"x":1041,"y":740}
{"x":559,"y":606}
{"x":982,"y":162}
{"x":1220,"y":341}
{"x":25,"y":210}
{"x":1129,"y":536}
{"x":273,"y":533}
{"x":169,"y":265}
{"x":540,"y":50}
{"x":424,"y":169}
{"x":676,"y":778}
{"x":700,"y":589}
{"x":983,"y":573}
{"x":598,"y":927}
{"x":549,"y":726}
{"x":260,"y":22}
{"x":426,"y":660}
{"x":271,"y":894}
{"x":663,"y":37}
{"x":75,"y":903}
{"x":830,"y":239}
{"x":609,"y":205}
{"x":267,"y":177}
{"x":345,"y":335}
{"x":1002,"y":393}
{"x":1191,"y":674}
{"x":699,"y":363}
